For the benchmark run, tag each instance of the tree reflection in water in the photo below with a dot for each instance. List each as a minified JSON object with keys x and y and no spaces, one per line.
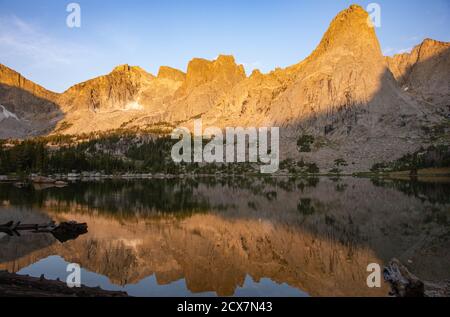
{"x":316,"y":236}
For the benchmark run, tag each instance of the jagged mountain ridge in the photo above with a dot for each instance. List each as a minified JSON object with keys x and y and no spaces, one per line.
{"x":344,"y":92}
{"x":424,"y":72}
{"x":27,"y":109}
{"x":114,"y":91}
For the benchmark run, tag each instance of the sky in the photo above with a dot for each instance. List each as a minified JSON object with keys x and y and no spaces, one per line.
{"x":36,"y":41}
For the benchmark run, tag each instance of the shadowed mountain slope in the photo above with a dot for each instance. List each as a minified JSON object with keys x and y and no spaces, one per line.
{"x":424,"y":72}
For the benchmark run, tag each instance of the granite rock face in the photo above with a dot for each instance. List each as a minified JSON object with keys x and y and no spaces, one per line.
{"x":171,"y":73}
{"x":371,"y":108}
{"x":26,"y":109}
{"x":424,"y":72}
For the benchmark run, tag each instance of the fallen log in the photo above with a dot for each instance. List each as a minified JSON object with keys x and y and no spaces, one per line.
{"x":63,"y":232}
{"x":13,"y":285}
{"x":405,"y":284}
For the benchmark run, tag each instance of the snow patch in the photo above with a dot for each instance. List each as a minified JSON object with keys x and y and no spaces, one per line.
{"x":5,"y":114}
{"x":133,"y":106}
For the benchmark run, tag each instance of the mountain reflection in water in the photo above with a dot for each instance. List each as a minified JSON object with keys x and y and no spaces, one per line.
{"x":255,"y":237}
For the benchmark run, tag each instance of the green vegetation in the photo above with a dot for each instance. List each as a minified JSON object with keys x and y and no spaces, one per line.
{"x":435,"y":193}
{"x":117,"y":152}
{"x":432,"y":157}
{"x":24,"y":157}
{"x":299,"y":167}
{"x":337,"y":166}
{"x":36,"y":157}
{"x":335,"y":170}
{"x":305,"y":142}
{"x":340,"y":188}
{"x":305,"y":207}
{"x":64,"y":126}
{"x":340,"y":162}
{"x":439,"y":133}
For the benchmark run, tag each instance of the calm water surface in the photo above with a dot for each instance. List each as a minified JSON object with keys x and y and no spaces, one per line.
{"x":233,"y":237}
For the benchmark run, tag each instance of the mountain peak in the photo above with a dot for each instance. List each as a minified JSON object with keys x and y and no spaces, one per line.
{"x":355,"y":8}
{"x":224,"y":69}
{"x":226,"y":59}
{"x":12,"y":78}
{"x":354,"y":12}
{"x":351,"y":30}
{"x":424,"y":70}
{"x":125,"y":68}
{"x":432,"y":46}
{"x":122,"y":68}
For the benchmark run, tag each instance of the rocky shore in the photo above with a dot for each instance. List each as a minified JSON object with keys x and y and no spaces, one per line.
{"x":13,"y":285}
{"x":405,"y":284}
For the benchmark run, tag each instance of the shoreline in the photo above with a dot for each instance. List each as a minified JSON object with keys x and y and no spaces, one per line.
{"x":439,"y":173}
{"x":14,"y":285}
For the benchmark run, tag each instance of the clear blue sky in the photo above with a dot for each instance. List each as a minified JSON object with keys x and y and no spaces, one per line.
{"x":35,"y":40}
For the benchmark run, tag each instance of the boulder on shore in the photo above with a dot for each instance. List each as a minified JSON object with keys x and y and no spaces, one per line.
{"x":42,"y":180}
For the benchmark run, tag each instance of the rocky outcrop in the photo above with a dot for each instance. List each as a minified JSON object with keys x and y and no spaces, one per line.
{"x":344,"y":84}
{"x":424,"y":72}
{"x":13,"y":285}
{"x":346,"y":93}
{"x":5,"y":114}
{"x":166,"y":72}
{"x":405,"y":284}
{"x":26,"y":109}
{"x":344,"y":73}
{"x":223,"y":72}
{"x":13,"y":79}
{"x":115,"y":91}
{"x":207,"y":82}
{"x":343,"y":93}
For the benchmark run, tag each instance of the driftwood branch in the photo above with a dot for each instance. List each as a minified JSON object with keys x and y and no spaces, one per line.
{"x":405,"y":284}
{"x":63,"y":232}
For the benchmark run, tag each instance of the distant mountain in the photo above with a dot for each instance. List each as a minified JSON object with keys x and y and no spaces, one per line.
{"x":358,"y":105}
{"x":27,"y":109}
{"x":115,"y":91}
{"x":425,"y":72}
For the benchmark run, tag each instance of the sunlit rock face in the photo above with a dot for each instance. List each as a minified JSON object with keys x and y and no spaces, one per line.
{"x":111,"y":92}
{"x":207,"y":82}
{"x":317,"y":236}
{"x":22,"y":99}
{"x":346,"y":93}
{"x":19,"y":84}
{"x":166,"y":72}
